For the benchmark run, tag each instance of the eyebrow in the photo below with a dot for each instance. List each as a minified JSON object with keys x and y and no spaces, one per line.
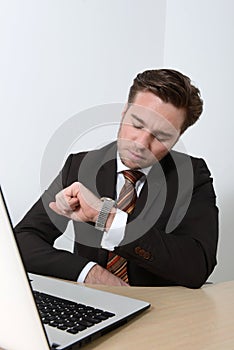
{"x":154,"y":132}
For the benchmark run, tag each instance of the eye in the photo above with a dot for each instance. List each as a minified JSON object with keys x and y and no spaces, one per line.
{"x":162,"y":138}
{"x":137,"y":126}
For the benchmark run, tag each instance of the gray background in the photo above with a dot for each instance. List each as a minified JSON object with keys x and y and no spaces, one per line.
{"x":59,"y":58}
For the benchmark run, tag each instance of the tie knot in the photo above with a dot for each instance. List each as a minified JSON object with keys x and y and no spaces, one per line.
{"x":132,"y":175}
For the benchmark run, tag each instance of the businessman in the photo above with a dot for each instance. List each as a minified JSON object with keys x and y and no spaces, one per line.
{"x":143,"y":214}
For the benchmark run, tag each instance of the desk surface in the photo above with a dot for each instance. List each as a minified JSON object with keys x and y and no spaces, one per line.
{"x":179,"y":318}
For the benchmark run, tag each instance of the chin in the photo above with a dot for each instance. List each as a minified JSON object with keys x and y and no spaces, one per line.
{"x":130,"y":164}
{"x":134,"y":165}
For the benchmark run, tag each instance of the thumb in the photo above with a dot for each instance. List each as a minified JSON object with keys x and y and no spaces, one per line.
{"x":54,"y":207}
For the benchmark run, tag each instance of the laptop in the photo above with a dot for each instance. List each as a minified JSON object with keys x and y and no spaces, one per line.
{"x":42,"y":313}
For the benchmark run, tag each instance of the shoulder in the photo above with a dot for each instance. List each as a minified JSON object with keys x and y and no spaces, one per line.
{"x":186,"y":166}
{"x":181,"y":158}
{"x":192,"y":166}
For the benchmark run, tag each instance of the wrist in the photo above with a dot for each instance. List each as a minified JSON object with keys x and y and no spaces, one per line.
{"x":110,"y":218}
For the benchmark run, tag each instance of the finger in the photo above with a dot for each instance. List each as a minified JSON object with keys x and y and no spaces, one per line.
{"x":73,"y":190}
{"x":62,"y":202}
{"x":68,"y":199}
{"x":55,"y":208}
{"x":73,"y":203}
{"x":124,"y":284}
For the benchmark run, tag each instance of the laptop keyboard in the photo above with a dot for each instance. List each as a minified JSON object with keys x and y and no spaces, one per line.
{"x":67,"y":315}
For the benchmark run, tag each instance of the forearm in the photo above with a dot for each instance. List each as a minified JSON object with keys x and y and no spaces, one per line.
{"x":41,"y":258}
{"x":36,"y":234}
{"x":179,"y":260}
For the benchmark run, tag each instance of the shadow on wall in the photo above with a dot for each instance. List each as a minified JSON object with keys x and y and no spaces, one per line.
{"x":224,"y":270}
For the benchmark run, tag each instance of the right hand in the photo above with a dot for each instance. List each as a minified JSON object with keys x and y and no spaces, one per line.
{"x":99,"y":275}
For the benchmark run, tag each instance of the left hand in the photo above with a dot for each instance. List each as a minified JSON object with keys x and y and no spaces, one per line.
{"x":100,"y":275}
{"x":78,"y":203}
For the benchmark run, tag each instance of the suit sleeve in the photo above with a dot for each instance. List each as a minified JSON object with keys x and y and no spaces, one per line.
{"x":187,"y":255}
{"x":39,"y":229}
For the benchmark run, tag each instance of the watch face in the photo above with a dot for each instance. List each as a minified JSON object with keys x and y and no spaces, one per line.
{"x":107,"y":199}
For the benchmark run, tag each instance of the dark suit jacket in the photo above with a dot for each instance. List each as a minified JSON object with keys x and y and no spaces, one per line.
{"x":170,"y":238}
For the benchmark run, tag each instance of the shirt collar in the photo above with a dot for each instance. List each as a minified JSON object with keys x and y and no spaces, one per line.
{"x":121,"y":166}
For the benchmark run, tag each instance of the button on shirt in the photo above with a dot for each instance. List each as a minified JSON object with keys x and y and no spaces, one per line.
{"x":115,"y":234}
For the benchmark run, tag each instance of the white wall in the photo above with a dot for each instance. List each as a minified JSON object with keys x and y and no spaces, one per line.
{"x":60,"y":57}
{"x":199,"y":41}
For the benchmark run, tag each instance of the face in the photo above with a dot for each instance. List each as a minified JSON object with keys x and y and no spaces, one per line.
{"x":148,"y":130}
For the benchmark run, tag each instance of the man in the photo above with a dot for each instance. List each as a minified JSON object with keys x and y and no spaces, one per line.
{"x":143,"y":214}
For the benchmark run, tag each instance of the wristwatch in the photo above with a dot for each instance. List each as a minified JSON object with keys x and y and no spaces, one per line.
{"x":108,"y":204}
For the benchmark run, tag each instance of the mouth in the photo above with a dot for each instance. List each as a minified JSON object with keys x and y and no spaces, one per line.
{"x":136,"y":156}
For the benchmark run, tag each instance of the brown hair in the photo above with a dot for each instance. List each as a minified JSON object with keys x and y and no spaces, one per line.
{"x":173,"y":87}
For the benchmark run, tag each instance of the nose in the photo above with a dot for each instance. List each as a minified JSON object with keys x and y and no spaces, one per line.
{"x":144,"y":139}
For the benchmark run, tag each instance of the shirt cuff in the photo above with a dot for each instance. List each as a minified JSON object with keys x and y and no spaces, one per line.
{"x":115,"y":234}
{"x":85,"y":271}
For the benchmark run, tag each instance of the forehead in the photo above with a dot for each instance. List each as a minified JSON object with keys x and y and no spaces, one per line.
{"x":152,"y":109}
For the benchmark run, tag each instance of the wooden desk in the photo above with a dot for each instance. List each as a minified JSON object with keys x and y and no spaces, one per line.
{"x":179,"y":318}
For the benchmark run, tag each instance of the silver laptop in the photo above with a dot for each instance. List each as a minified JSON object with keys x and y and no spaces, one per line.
{"x":42,"y":313}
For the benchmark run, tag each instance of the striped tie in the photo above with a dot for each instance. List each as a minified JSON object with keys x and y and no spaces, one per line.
{"x":126,"y":202}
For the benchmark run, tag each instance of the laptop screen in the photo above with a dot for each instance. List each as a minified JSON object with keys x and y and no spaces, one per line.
{"x":20,"y":322}
{"x":89,"y":313}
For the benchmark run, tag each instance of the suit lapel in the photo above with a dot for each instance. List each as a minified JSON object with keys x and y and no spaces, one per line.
{"x":155,"y":185}
{"x":107,"y":175}
{"x":97,"y":171}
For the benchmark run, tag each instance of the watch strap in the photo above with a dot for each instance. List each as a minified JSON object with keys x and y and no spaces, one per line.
{"x":108,"y":204}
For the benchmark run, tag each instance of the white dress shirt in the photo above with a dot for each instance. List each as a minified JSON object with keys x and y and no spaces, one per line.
{"x":115,"y":234}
